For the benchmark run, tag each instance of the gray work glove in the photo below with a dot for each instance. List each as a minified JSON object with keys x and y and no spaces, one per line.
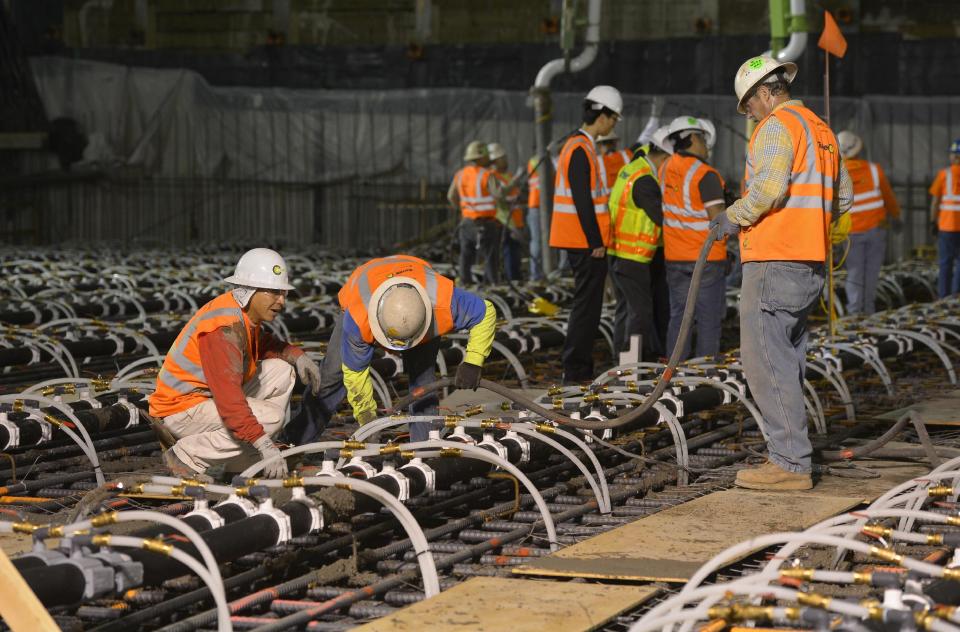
{"x":366,"y":416}
{"x":276,"y":468}
{"x":727,"y":228}
{"x":309,"y":373}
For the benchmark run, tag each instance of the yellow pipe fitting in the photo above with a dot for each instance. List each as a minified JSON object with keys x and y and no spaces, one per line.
{"x":390,"y":449}
{"x":492,"y":422}
{"x":813,"y":600}
{"x":887,"y":555}
{"x":101,"y":539}
{"x":632,"y":387}
{"x":720,"y":612}
{"x":408,"y":454}
{"x":52,"y":420}
{"x":451,"y":452}
{"x":792,"y":613}
{"x":505,"y":406}
{"x":862,"y":577}
{"x":592,"y":397}
{"x":803,"y":574}
{"x":346,"y":454}
{"x":940,"y":491}
{"x":935,"y":539}
{"x":56,"y":532}
{"x":546,"y":428}
{"x":877,"y":530}
{"x":354,"y":445}
{"x":454,"y":419}
{"x":293,"y":481}
{"x":953,"y":521}
{"x":874,"y":609}
{"x":558,"y":402}
{"x":952,"y":574}
{"x":554,"y":390}
{"x":17,"y":405}
{"x":157,"y":546}
{"x":752,"y":613}
{"x":473,"y":411}
{"x":345,"y":486}
{"x":104,"y":519}
{"x":24,"y":527}
{"x":242,"y":492}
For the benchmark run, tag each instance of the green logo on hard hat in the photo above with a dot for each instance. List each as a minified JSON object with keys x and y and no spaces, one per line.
{"x":691,"y":120}
{"x":756,"y":62}
{"x":277,"y":270}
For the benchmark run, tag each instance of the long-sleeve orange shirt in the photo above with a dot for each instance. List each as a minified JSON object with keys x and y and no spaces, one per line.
{"x":222,"y":353}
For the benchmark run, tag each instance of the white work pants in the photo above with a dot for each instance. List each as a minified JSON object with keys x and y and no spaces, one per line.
{"x":203,"y":440}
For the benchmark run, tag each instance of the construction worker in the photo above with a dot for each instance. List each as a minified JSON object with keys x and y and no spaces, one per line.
{"x":533,"y":215}
{"x":874,"y":207}
{"x":223,"y":389}
{"x":795,"y":182}
{"x":403,"y":305}
{"x":692,"y":196}
{"x":612,"y":159}
{"x":945,"y":220}
{"x":473,"y":192}
{"x":581,"y":225}
{"x":509,"y":211}
{"x":636,"y":217}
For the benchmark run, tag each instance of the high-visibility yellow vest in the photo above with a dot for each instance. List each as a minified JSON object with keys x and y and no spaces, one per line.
{"x":634,"y":235}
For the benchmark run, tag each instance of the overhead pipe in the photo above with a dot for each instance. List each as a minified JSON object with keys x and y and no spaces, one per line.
{"x":543,"y":114}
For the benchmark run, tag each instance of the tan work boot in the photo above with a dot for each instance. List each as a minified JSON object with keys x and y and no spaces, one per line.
{"x":773,"y":477}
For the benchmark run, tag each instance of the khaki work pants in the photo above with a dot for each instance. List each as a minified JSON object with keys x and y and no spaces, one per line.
{"x":203,"y":440}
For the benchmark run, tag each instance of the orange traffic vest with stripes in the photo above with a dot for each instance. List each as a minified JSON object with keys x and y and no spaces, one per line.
{"x":868,"y":210}
{"x":565,"y":229}
{"x":513,"y":200}
{"x":473,"y":187}
{"x":686,"y":223}
{"x":797,"y":228}
{"x":949,"y":217}
{"x":181,"y":384}
{"x":355,"y":294}
{"x":533,"y":182}
{"x":612,"y":163}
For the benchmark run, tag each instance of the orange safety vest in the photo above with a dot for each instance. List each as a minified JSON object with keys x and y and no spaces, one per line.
{"x":868,"y":210}
{"x":612,"y":163}
{"x":473,"y":187}
{"x":797,"y":228}
{"x":513,"y":200}
{"x":565,"y":229}
{"x":686,"y":223}
{"x":181,"y":384}
{"x":355,"y":294}
{"x":949,"y":217}
{"x":533,"y":182}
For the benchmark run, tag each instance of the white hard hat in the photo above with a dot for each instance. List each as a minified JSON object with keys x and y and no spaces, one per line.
{"x":683,"y":126}
{"x":850,"y":144}
{"x":661,"y":139}
{"x":261,"y":268}
{"x":399,"y":313}
{"x":608,"y":137}
{"x":475,"y":151}
{"x":605,"y":96}
{"x":754,"y":71}
{"x":495,"y":151}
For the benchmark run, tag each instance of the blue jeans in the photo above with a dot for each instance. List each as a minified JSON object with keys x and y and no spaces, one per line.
{"x":948,"y":247}
{"x":775,"y":300}
{"x":864,"y":259}
{"x":316,"y":410}
{"x":536,"y":262}
{"x":480,"y":236}
{"x":512,"y":252}
{"x":709,"y":309}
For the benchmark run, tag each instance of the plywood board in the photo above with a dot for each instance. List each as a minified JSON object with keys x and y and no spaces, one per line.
{"x":494,"y":604}
{"x":940,"y":411}
{"x":463,"y":398}
{"x":703,"y":527}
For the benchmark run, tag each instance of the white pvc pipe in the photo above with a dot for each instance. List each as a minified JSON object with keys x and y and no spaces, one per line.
{"x":555,"y":66}
{"x":798,"y":39}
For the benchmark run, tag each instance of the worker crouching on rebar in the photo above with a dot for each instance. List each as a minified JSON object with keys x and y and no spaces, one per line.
{"x":795,"y":182}
{"x":402,"y":304}
{"x":223,"y":389}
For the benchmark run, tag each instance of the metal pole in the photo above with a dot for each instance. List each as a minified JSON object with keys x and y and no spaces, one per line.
{"x":543,"y":113}
{"x":831,"y":314}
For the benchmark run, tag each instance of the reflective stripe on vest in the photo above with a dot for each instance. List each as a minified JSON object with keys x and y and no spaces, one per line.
{"x":473,"y":186}
{"x":611,"y":164}
{"x":949,"y":217}
{"x":565,"y":228}
{"x":686,"y":223}
{"x":797,"y":228}
{"x":181,"y":383}
{"x":355,"y":294}
{"x":868,"y":210}
{"x":634,"y":235}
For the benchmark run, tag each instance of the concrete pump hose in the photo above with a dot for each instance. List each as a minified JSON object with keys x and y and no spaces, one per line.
{"x":686,"y":324}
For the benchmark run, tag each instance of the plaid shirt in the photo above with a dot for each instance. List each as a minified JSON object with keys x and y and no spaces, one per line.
{"x":773,"y":164}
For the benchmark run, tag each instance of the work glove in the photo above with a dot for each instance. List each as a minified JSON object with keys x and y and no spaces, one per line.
{"x":366,"y":416}
{"x":727,"y":228}
{"x":309,"y":373}
{"x":276,"y":468}
{"x":468,"y":376}
{"x":896,"y":225}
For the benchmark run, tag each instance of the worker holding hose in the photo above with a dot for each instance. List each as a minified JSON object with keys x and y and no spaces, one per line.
{"x":223,"y":390}
{"x":403,"y":305}
{"x":795,"y":183}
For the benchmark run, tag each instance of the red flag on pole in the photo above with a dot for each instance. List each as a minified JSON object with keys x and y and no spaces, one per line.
{"x":832,"y":40}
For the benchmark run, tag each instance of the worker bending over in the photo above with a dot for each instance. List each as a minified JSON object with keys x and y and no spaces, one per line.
{"x":224,"y":386}
{"x":636,"y":217}
{"x":581,"y":226}
{"x":509,"y":213}
{"x":795,"y":182}
{"x":874,"y":207}
{"x":402,"y":304}
{"x":473,"y":192}
{"x":945,"y":220}
{"x":612,"y":159}
{"x":692,"y":196}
